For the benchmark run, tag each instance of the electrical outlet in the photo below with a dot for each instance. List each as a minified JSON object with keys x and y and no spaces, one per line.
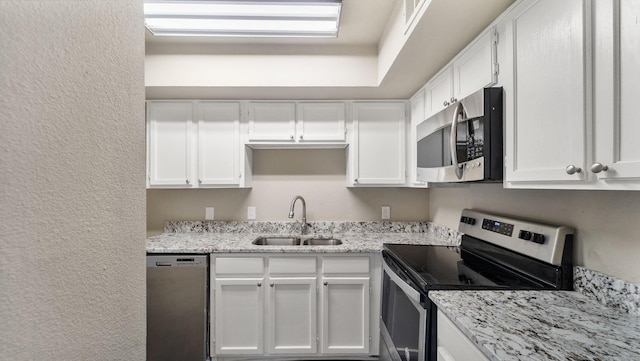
{"x":386,"y":212}
{"x":208,"y":213}
{"x":251,"y":213}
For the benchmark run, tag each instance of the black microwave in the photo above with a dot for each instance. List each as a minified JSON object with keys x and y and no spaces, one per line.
{"x":463,"y":142}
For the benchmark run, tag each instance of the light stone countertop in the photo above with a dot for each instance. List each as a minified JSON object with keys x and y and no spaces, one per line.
{"x":541,"y":325}
{"x":241,"y":243}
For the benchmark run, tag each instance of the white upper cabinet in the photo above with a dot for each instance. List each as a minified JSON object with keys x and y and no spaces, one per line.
{"x":417,"y":104}
{"x":219,"y":143}
{"x":547,"y":94}
{"x":272,"y":121}
{"x":170,"y":154}
{"x":377,"y":149}
{"x":195,"y":144}
{"x":296,"y":123}
{"x":473,"y":69}
{"x":570,"y":121}
{"x":617,"y":74}
{"x":321,"y":122}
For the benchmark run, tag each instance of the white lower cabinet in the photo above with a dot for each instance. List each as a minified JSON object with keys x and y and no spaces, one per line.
{"x":453,"y":345}
{"x":345,"y":315}
{"x":307,"y":305}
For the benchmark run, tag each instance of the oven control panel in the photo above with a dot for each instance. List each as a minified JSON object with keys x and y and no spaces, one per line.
{"x":538,"y":240}
{"x":497,"y":226}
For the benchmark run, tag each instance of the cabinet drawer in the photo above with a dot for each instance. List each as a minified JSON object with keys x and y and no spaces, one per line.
{"x":345,"y":265}
{"x":284,"y":265}
{"x":239,"y":265}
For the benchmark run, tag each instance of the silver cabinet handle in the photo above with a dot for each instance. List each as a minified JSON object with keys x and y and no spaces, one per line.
{"x":291,"y":136}
{"x":199,"y":181}
{"x":355,"y":180}
{"x":272,"y":284}
{"x":453,"y":140}
{"x":453,"y":100}
{"x":572,"y":169}
{"x":259,"y":284}
{"x":188,"y":181}
{"x":325,"y":283}
{"x":599,"y":167}
{"x":445,"y":103}
{"x":300,"y":137}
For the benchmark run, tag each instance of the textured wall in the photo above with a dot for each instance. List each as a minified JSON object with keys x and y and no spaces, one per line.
{"x":606,"y":221}
{"x":278,"y":175}
{"x":72,"y":220}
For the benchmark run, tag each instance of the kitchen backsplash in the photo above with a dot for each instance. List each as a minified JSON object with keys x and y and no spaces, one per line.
{"x":431,"y":230}
{"x":610,"y":291}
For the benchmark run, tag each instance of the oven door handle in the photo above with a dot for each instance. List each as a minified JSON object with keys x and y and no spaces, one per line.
{"x":453,"y":142}
{"x":411,"y":292}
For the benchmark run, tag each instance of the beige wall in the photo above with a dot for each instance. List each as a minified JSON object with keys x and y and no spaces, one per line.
{"x":278,"y":175}
{"x":72,"y":220}
{"x":607,"y":238}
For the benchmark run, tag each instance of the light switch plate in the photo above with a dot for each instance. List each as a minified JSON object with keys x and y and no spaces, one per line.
{"x":251,"y":213}
{"x":386,"y":212}
{"x":208,"y":213}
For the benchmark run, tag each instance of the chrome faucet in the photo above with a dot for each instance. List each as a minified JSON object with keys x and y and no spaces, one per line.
{"x":303,"y":227}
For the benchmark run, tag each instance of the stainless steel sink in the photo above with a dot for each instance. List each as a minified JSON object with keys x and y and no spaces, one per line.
{"x":322,"y":242}
{"x":296,"y":241}
{"x":277,"y":241}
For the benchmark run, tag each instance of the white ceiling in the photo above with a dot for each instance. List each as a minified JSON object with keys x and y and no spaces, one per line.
{"x":446,"y":27}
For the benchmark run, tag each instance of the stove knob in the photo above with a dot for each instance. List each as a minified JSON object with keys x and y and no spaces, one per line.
{"x":471,"y":221}
{"x":526,"y":235}
{"x":538,"y":238}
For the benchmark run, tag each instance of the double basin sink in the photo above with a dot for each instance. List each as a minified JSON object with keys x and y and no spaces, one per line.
{"x":296,"y":241}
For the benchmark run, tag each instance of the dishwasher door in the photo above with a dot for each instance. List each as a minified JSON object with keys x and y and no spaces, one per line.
{"x":177,"y":309}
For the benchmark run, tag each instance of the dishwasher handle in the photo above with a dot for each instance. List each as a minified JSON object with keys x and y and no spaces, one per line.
{"x":176,"y":261}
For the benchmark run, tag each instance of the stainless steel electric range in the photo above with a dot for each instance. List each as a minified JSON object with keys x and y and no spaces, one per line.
{"x":496,"y":252}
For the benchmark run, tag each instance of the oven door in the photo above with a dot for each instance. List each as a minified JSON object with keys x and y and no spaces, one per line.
{"x":404,"y":319}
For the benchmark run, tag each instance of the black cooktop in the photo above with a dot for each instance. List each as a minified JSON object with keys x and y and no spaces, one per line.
{"x":431,"y":267}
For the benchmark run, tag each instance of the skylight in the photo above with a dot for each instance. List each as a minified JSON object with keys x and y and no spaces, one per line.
{"x":273,"y":18}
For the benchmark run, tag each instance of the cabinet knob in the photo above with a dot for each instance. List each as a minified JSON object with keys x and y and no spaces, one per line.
{"x":300,"y":137}
{"x":453,"y":100}
{"x":259,"y":284}
{"x":572,"y":169}
{"x":272,"y":284}
{"x":445,"y":103}
{"x":355,"y":180}
{"x":599,"y":167}
{"x":188,"y":181}
{"x":291,"y":136}
{"x":325,"y":283}
{"x":199,"y":181}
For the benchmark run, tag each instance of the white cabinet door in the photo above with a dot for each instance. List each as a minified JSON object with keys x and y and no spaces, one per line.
{"x":453,"y":345}
{"x":548,"y":96}
{"x":170,"y":146}
{"x":345,"y":315}
{"x":272,"y":121}
{"x":617,"y":75}
{"x":417,"y":103}
{"x":292,"y":315}
{"x":321,"y":121}
{"x":219,"y":143}
{"x":474,"y":69}
{"x":239,"y":316}
{"x":377,"y":153}
{"x":439,"y":92}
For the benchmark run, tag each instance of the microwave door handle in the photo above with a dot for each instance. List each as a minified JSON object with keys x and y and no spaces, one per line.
{"x":454,"y":139}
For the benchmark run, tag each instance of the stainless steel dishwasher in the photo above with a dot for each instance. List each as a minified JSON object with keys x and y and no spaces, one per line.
{"x":177,"y":311}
